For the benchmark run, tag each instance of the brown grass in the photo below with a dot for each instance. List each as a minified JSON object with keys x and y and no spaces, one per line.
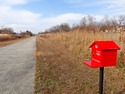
{"x":59,"y":67}
{"x":10,"y":39}
{"x":7,"y":37}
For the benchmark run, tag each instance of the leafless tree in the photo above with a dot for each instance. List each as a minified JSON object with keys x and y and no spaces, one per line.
{"x":121,"y":20}
{"x":91,"y":19}
{"x":87,"y":20}
{"x":113,"y":22}
{"x":59,"y":28}
{"x":7,"y":30}
{"x":83,"y":21}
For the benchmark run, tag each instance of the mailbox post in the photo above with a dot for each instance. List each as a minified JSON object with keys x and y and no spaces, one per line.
{"x":101,"y":80}
{"x":103,"y":54}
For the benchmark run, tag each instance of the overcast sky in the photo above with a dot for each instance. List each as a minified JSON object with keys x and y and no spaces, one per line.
{"x":38,"y":15}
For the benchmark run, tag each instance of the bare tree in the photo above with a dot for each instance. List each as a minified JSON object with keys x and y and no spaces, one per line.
{"x":87,"y":20}
{"x":26,"y":33}
{"x":91,"y":19}
{"x":64,"y":27}
{"x":113,"y":22}
{"x":59,"y":28}
{"x":83,"y":21}
{"x":121,"y":20}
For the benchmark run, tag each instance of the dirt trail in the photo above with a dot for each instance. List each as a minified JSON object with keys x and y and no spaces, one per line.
{"x":17,"y":67}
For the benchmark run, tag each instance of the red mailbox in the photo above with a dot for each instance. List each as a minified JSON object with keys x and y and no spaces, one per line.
{"x":104,"y":54}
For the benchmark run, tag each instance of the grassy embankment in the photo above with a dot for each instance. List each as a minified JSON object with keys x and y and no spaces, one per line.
{"x":60,"y":68}
{"x":10,"y":39}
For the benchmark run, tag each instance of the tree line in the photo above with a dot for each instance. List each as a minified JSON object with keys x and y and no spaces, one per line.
{"x":89,"y":23}
{"x":7,"y":30}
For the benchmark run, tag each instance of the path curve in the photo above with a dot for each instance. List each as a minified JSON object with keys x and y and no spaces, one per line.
{"x":17,"y":70}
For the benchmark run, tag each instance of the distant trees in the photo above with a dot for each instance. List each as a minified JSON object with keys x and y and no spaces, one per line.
{"x":121,"y":20}
{"x":90,"y":24}
{"x":87,"y":23}
{"x":112,"y":24}
{"x":26,"y":33}
{"x":87,"y":20}
{"x":7,"y":30}
{"x":107,"y":24}
{"x":59,"y":28}
{"x":83,"y":21}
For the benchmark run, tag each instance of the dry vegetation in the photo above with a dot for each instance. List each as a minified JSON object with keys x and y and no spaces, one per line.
{"x":8,"y":36}
{"x":6,"y":39}
{"x":60,"y":68}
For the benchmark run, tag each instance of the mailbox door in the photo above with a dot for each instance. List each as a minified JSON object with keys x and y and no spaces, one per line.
{"x":109,"y":58}
{"x":96,"y":56}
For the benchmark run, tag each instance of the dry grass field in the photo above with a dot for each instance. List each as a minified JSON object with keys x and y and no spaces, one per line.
{"x":60,"y":68}
{"x":9,"y":39}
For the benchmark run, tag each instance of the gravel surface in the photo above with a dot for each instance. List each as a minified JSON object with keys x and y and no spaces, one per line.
{"x":17,"y":67}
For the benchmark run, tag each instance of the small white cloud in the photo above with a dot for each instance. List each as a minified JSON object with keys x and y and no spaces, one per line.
{"x":64,"y":18}
{"x":73,"y":1}
{"x":115,"y":7}
{"x":110,"y":7}
{"x":116,"y":3}
{"x":12,"y":2}
{"x":23,"y":27}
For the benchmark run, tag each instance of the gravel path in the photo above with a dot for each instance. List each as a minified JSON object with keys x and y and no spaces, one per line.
{"x":17,"y":67}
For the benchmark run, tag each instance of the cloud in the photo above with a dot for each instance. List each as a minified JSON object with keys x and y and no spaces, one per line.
{"x":22,"y":20}
{"x":35,"y":23}
{"x":110,"y":7}
{"x":115,"y":7}
{"x":64,"y":18}
{"x":9,"y":15}
{"x":73,"y":1}
{"x":18,"y":19}
{"x":115,"y":3}
{"x":42,"y":24}
{"x":22,"y":27}
{"x":70,"y":18}
{"x":12,"y":2}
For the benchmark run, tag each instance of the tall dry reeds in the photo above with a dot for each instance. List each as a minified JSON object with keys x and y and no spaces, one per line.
{"x":6,"y":37}
{"x":59,"y":67}
{"x":78,"y":42}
